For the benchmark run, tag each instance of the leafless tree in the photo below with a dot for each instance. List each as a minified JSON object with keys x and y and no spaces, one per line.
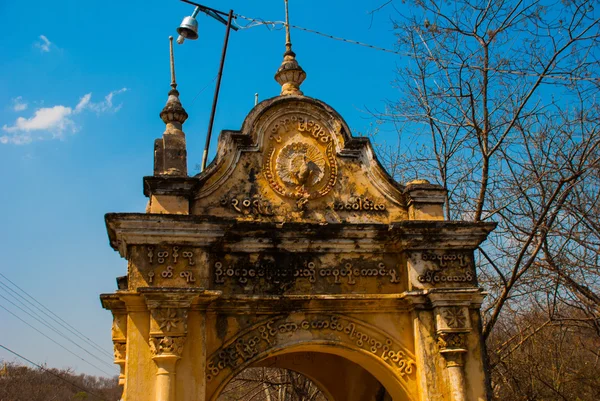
{"x":498,"y":103}
{"x":271,"y":384}
{"x":22,"y":383}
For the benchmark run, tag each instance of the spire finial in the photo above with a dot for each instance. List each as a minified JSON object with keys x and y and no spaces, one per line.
{"x":173,"y":112}
{"x":289,"y":75}
{"x":288,"y":40}
{"x":172,"y":58}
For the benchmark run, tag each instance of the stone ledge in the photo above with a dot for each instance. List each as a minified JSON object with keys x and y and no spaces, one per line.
{"x":204,"y":231}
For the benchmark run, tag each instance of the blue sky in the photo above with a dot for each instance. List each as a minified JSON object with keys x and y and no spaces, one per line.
{"x":81,"y":87}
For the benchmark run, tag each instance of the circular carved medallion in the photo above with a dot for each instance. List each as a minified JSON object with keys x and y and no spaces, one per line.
{"x":300,"y":159}
{"x":300,"y":164}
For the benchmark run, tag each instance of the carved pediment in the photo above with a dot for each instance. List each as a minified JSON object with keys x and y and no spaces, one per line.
{"x":295,"y":160}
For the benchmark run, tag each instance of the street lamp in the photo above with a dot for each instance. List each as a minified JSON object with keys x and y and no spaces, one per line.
{"x":189,"y":30}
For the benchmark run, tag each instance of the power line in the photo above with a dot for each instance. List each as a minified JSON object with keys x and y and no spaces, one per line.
{"x":55,"y":342}
{"x":64,"y":324}
{"x":203,"y":89}
{"x":260,"y":22}
{"x":52,"y":373}
{"x":43,"y":322}
{"x":254,"y":22}
{"x":15,"y":294}
{"x":354,"y":42}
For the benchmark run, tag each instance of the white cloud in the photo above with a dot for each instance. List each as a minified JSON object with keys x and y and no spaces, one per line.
{"x":103,"y":106}
{"x":83,"y":102}
{"x":43,"y":44}
{"x":54,"y":122}
{"x":18,"y":104}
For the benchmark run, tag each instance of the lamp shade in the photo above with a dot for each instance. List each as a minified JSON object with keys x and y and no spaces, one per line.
{"x":188,"y":28}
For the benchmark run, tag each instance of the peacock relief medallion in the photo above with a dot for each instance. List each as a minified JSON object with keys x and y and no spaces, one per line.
{"x":300,"y":159}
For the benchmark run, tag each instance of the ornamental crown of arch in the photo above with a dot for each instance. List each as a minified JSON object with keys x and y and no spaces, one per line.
{"x":295,"y":160}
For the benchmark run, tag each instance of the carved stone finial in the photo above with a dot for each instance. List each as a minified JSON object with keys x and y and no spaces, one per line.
{"x":170,"y":153}
{"x":173,"y":112}
{"x":289,"y":75}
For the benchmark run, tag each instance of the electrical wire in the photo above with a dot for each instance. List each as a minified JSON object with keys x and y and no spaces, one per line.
{"x":203,"y":89}
{"x":272,"y":24}
{"x":60,"y":321}
{"x":56,"y":342}
{"x":15,"y":295}
{"x":52,"y":373}
{"x":354,"y":42}
{"x":254,"y":22}
{"x":43,"y":322}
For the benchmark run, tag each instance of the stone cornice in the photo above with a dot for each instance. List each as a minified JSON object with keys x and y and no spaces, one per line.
{"x":204,"y":231}
{"x":470,"y":297}
{"x":112,"y":302}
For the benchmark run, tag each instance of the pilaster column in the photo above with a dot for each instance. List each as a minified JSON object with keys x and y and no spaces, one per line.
{"x":166,"y":351}
{"x":118,"y":332}
{"x":453,"y":325}
{"x":452,"y":346}
{"x":169,"y":309}
{"x":168,"y":328}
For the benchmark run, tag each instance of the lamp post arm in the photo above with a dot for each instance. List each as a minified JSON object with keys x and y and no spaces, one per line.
{"x":216,"y":14}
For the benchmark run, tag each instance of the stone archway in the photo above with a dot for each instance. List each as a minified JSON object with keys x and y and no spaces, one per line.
{"x":294,"y":240}
{"x":333,"y":333}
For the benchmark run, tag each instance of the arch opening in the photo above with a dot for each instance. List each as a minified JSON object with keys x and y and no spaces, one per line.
{"x":272,"y":384}
{"x":339,"y":372}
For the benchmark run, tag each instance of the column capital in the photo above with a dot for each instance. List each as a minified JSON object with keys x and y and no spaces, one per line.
{"x":166,"y":348}
{"x":452,"y":343}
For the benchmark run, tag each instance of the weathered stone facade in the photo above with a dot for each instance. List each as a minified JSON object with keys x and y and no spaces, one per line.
{"x":295,"y":249}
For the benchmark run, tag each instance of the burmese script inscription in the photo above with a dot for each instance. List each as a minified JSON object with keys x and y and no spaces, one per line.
{"x":169,"y":263}
{"x":271,"y":273}
{"x":446,"y":268}
{"x":275,"y":332}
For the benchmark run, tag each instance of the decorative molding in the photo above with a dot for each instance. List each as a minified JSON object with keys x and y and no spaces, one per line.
{"x":166,"y":345}
{"x":169,"y":320}
{"x":120,"y":351}
{"x":119,"y":327}
{"x":454,"y":317}
{"x":451,"y":341}
{"x":275,"y":332}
